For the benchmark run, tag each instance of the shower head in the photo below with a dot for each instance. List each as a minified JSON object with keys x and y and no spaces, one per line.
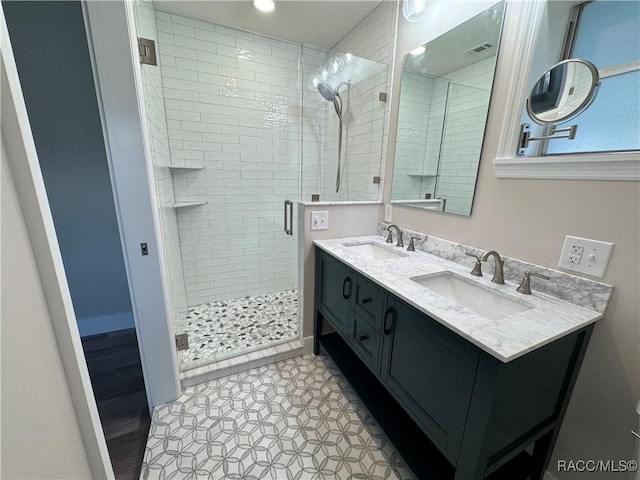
{"x":327,"y":91}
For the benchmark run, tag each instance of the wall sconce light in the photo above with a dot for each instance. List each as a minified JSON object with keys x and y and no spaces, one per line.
{"x":415,"y":10}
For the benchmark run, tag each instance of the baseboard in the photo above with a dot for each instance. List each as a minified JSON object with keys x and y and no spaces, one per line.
{"x":105,"y":324}
{"x":307,"y":345}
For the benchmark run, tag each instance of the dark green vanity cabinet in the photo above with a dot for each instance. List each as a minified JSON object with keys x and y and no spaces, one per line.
{"x":478,"y":411}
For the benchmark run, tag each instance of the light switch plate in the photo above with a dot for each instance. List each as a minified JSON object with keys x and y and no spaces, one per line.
{"x":319,"y":220}
{"x":583,"y":255}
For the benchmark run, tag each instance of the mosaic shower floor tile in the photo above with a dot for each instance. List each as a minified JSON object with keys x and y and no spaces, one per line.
{"x":293,"y":420}
{"x":234,"y":325}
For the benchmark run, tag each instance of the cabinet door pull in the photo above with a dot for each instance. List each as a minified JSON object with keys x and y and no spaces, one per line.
{"x":346,"y":288}
{"x":390,"y":313}
{"x":367,"y":300}
{"x":363,"y":337}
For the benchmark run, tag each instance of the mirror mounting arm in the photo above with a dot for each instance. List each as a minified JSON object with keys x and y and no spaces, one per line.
{"x":525,"y":135}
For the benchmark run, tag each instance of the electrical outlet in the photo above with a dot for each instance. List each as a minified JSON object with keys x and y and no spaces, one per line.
{"x":319,"y":220}
{"x":585,"y":256}
{"x":576,"y":249}
{"x":573,"y":258}
{"x":388,"y":212}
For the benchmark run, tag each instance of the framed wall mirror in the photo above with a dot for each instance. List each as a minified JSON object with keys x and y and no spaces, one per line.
{"x":445,"y":92}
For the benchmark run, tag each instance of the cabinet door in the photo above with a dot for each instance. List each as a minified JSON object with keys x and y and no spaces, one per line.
{"x":430,"y":370}
{"x":335,"y":288}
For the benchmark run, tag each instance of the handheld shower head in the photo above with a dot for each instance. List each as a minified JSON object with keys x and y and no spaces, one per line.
{"x":327,"y":91}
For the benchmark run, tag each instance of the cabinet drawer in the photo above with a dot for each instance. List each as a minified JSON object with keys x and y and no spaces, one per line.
{"x":369,"y":302}
{"x":365,"y":341}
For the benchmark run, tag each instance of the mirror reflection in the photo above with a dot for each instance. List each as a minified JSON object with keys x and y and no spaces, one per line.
{"x":564,"y":91}
{"x":444,"y":99}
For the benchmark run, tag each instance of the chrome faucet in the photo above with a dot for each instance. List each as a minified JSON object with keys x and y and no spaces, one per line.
{"x":399,"y":234}
{"x":498,"y":272}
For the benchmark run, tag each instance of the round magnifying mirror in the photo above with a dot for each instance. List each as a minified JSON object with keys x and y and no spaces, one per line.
{"x":564,"y":91}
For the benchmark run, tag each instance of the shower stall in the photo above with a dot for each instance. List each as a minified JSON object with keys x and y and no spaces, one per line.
{"x":238,"y":127}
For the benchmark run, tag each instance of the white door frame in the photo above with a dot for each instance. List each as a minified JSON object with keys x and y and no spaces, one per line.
{"x":113,"y":49}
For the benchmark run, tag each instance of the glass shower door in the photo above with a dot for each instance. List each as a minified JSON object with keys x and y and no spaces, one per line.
{"x":157,"y":134}
{"x":224,"y":119}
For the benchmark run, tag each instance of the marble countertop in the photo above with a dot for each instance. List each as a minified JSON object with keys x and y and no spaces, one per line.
{"x":506,"y":339}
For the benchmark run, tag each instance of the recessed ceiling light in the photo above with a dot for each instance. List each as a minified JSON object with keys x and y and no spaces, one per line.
{"x":264,"y":5}
{"x":418,"y":51}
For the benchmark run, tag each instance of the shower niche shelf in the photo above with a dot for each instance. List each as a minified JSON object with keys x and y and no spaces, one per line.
{"x":183,"y":168}
{"x":188,"y":204}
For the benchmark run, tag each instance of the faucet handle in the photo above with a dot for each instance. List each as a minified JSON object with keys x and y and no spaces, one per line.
{"x":525,"y":284}
{"x":477,"y":268}
{"x":412,"y":247}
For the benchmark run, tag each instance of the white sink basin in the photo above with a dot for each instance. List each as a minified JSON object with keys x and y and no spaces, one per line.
{"x":374,"y":251}
{"x":482,"y":300}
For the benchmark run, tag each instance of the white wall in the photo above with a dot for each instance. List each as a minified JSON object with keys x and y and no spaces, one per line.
{"x":40,"y":433}
{"x":344,"y":221}
{"x":528,"y":219}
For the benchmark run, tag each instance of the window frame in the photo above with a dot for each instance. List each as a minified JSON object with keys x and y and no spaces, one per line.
{"x":523,"y":32}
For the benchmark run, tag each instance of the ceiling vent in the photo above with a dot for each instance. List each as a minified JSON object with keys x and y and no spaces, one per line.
{"x":478,"y":48}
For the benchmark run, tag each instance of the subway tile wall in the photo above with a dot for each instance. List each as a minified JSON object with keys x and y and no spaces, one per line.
{"x":233,"y":106}
{"x":464,"y":125}
{"x":365,"y":117}
{"x":374,"y":38}
{"x":232,"y":102}
{"x":157,"y":124}
{"x":314,"y":121}
{"x":411,"y":141}
{"x":363,"y":124}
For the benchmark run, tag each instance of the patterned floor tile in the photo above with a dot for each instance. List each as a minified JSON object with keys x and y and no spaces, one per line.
{"x":234,"y":325}
{"x":293,"y":420}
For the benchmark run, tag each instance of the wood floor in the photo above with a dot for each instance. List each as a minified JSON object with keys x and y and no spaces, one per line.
{"x":116,"y":376}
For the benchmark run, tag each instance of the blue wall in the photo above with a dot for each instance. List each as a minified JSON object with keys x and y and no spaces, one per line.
{"x":50,"y":46}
